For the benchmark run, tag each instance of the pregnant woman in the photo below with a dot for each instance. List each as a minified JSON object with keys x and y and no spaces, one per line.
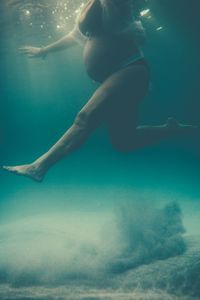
{"x":112,"y":41}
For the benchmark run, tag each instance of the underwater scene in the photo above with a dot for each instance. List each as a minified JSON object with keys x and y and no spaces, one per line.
{"x":103,"y":224}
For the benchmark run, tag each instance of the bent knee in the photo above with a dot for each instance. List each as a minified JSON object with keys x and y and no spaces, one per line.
{"x":87,"y":120}
{"x":81,"y":119}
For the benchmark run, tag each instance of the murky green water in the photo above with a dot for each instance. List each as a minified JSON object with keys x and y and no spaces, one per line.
{"x":58,"y":239}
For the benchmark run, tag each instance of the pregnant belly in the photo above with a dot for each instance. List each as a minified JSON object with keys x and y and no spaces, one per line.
{"x":102,"y":55}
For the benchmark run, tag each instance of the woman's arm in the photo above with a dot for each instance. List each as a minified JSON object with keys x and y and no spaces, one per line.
{"x":66,"y":42}
{"x":75,"y":37}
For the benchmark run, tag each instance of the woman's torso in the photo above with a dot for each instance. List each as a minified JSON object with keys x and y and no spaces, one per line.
{"x":104,"y":51}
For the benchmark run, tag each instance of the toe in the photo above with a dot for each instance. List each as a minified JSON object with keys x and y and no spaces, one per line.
{"x":9,"y":169}
{"x":6,"y":168}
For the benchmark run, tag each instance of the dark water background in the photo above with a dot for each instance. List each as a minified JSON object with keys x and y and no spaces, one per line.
{"x":39,"y":100}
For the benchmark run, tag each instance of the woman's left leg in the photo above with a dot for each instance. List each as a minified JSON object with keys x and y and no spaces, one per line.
{"x":93,"y":114}
{"x":125,"y":134}
{"x":143,"y":136}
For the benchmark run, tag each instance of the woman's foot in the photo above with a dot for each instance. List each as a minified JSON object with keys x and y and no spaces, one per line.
{"x":174,"y":125}
{"x":31,"y":171}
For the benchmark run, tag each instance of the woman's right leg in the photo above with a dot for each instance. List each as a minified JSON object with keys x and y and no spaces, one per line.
{"x":87,"y":120}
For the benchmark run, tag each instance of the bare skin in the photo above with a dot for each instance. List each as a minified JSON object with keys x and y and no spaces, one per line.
{"x":38,"y":169}
{"x":115,"y":103}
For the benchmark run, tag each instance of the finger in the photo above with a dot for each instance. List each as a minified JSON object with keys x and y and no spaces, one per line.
{"x":6,"y":168}
{"x":24,"y":48}
{"x":31,"y":56}
{"x":24,"y":51}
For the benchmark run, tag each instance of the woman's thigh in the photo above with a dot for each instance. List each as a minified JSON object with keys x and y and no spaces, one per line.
{"x":123,"y":116}
{"x":116,"y":100}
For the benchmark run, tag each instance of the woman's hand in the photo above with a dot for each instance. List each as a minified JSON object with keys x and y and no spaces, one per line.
{"x":33,"y":52}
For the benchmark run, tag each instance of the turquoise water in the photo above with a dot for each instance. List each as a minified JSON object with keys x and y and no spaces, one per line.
{"x":84,"y":232}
